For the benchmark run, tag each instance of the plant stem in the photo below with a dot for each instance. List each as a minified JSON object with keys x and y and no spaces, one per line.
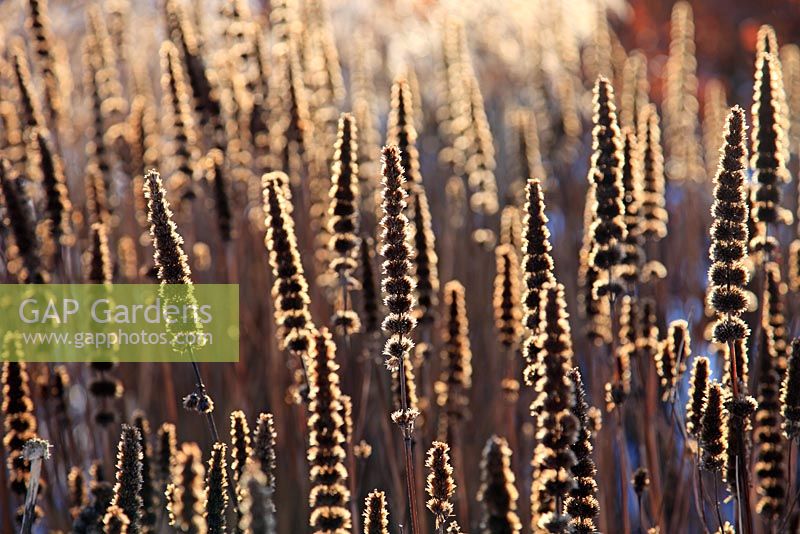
{"x":408,"y":455}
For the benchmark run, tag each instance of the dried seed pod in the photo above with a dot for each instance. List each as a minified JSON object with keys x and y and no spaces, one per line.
{"x":440,"y":485}
{"x":497,"y":493}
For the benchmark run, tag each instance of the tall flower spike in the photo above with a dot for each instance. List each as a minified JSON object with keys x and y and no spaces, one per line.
{"x":165,"y":457}
{"x":582,"y":504}
{"x":170,"y":260}
{"x":528,"y":160}
{"x":605,"y":176}
{"x":537,"y":263}
{"x":26,"y":262}
{"x":456,"y":378}
{"x":31,"y":114}
{"x":715,"y":107}
{"x":770,"y":456}
{"x":557,"y":426}
{"x":698,"y":395}
{"x":507,"y":314}
{"x":401,"y":131}
{"x":240,"y":444}
{"x":216,"y":491}
{"x":680,"y":100}
{"x":215,"y":173}
{"x":595,"y":312}
{"x":440,"y":484}
{"x":790,"y":394}
{"x":370,"y":297}
{"x":19,"y":420}
{"x":343,"y":219}
{"x":774,"y":306}
{"x":630,"y":324}
{"x":635,"y":89}
{"x":769,"y":148}
{"x":727,"y":275}
{"x":672,"y":356}
{"x":186,"y":494}
{"x":178,"y":122}
{"x":257,"y":506}
{"x":397,"y":286}
{"x":263,"y":451}
{"x":632,"y":254}
{"x":58,"y":209}
{"x":149,"y":493}
{"x":426,"y":269}
{"x":99,"y":269}
{"x":376,"y":518}
{"x":329,"y":496}
{"x":47,"y":58}
{"x":712,"y":429}
{"x":498,"y":493}
{"x":289,"y":289}
{"x":128,"y":489}
{"x":654,"y":213}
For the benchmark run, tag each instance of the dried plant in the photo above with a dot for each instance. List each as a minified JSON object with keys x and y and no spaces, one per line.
{"x":329,"y":496}
{"x":23,"y":247}
{"x":712,"y":429}
{"x":556,"y":424}
{"x":343,"y":221}
{"x":376,"y":518}
{"x":290,"y":288}
{"x":128,"y":489}
{"x":216,"y":498}
{"x":537,"y":263}
{"x":582,"y":504}
{"x":19,"y":423}
{"x":672,"y":356}
{"x":684,"y":160}
{"x":497,"y":492}
{"x":456,"y":379}
{"x":507,"y":315}
{"x":698,"y":395}
{"x":440,"y":485}
{"x":608,"y":229}
{"x":186,"y":494}
{"x":769,"y":467}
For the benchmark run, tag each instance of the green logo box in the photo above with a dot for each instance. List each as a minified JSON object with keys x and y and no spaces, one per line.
{"x":119,"y":323}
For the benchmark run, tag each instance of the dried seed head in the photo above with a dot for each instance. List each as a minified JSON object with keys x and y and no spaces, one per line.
{"x":770,"y":455}
{"x":216,"y":501}
{"x":397,"y":285}
{"x":698,"y":393}
{"x":329,"y":496}
{"x":653,"y":202}
{"x":376,"y":518}
{"x":23,"y":247}
{"x":440,"y":485}
{"x":425,"y":263}
{"x":582,"y":504}
{"x":507,"y":314}
{"x":289,"y":289}
{"x":263,"y":451}
{"x":790,"y":394}
{"x":498,"y":493}
{"x":712,"y":429}
{"x":170,"y":260}
{"x":128,"y":488}
{"x":17,"y":406}
{"x":608,"y":228}
{"x":727,"y":275}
